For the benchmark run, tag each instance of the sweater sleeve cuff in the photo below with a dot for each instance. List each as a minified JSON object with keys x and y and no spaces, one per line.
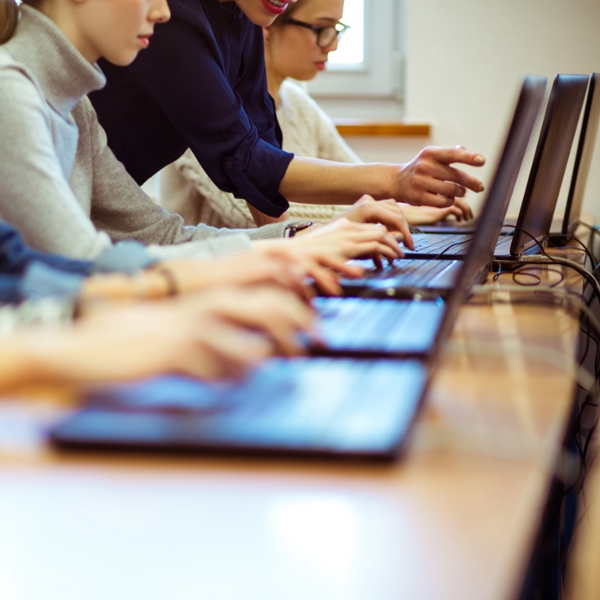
{"x":41,"y":281}
{"x":206,"y":249}
{"x":273,"y":230}
{"x":125,"y":257}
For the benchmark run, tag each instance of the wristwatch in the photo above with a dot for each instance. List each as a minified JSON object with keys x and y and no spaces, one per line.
{"x":291,"y":230}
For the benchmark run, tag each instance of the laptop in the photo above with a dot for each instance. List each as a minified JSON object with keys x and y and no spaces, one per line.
{"x":585,"y":151}
{"x":407,"y":277}
{"x":325,"y":407}
{"x":581,"y":167}
{"x":543,"y":186}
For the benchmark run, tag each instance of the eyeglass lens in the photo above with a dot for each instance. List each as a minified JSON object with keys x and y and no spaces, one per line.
{"x":327,"y":35}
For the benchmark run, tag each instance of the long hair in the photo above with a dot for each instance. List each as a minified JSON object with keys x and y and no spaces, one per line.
{"x":9,"y":18}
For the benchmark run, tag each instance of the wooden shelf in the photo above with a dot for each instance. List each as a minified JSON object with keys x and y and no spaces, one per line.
{"x":381,"y":128}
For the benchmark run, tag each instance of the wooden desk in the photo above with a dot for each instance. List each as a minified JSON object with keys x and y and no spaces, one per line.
{"x":455,"y":519}
{"x":583,"y":576}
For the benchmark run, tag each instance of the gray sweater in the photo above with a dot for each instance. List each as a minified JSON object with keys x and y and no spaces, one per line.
{"x":60,"y":184}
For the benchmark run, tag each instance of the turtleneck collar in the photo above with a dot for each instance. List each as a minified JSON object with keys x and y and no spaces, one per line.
{"x":61,"y":70}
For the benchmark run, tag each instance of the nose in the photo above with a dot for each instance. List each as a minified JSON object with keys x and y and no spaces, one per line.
{"x":333,"y":46}
{"x":160,"y":12}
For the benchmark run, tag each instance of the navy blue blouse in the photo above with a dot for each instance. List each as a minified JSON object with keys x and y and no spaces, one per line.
{"x":201,"y":85}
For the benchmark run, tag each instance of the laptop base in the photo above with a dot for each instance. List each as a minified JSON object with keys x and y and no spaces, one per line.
{"x":326,"y":408}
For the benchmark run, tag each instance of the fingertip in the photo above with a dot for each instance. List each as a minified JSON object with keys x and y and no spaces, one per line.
{"x":479,"y":159}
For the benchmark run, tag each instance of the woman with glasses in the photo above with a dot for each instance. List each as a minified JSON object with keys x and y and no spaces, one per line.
{"x":202,"y":85}
{"x":297,"y":46}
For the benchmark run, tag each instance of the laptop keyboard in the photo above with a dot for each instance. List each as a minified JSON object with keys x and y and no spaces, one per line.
{"x":451,"y":244}
{"x":405,"y":272}
{"x":358,"y":322}
{"x":319,"y":404}
{"x":378,"y":325}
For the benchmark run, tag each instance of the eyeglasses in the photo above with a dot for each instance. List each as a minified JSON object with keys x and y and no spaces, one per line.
{"x":325,"y":35}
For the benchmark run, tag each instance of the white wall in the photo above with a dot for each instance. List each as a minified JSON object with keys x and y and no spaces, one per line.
{"x":465,"y":62}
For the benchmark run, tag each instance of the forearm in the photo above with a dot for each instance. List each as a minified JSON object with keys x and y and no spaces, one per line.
{"x":26,"y":361}
{"x":315,"y":181}
{"x":261,"y":218}
{"x":145,"y":285}
{"x":17,"y":365}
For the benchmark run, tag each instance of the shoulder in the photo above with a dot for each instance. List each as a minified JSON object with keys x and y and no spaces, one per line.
{"x":15,"y":73}
{"x":295,"y":98}
{"x":19,"y":89}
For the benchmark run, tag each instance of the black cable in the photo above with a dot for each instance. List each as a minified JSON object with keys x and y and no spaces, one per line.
{"x":555,"y":261}
{"x":537,"y":279}
{"x":593,"y":228}
{"x":582,"y":438}
{"x":585,"y":249}
{"x":453,"y":245}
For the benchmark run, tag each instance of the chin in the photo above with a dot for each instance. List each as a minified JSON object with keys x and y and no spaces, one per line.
{"x":122,"y":60}
{"x":261,"y":20}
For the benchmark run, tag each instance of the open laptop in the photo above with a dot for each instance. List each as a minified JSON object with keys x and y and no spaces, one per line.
{"x":405,"y":278}
{"x":543,"y":186}
{"x":329,"y":407}
{"x":579,"y":177}
{"x":583,"y":161}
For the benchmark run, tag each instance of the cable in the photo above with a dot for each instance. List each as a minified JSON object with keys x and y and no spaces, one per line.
{"x":537,"y":259}
{"x":581,"y":437}
{"x":584,"y":248}
{"x":551,"y":294}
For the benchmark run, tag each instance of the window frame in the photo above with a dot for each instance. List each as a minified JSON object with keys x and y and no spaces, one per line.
{"x":381,"y":75}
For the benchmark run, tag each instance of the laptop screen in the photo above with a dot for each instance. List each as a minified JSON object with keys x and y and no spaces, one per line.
{"x":499,"y":193}
{"x":550,"y":161}
{"x":583,"y":160}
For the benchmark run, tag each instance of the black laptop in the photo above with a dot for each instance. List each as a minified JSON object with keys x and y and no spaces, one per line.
{"x":327,"y":407}
{"x":543,"y":186}
{"x":581,"y":167}
{"x":408,"y":277}
{"x":562,"y":227}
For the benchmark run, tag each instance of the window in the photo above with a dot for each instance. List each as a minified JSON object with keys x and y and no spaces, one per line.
{"x":369,"y":61}
{"x":351,"y":51}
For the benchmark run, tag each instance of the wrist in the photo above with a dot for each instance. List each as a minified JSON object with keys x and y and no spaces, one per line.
{"x":387,"y":182}
{"x":297,"y":229}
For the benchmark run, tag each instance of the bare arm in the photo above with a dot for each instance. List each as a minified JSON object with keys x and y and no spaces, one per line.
{"x":429,"y":179}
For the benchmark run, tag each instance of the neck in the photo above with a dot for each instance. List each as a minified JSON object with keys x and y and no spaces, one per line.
{"x":65,"y":20}
{"x":274,"y":80}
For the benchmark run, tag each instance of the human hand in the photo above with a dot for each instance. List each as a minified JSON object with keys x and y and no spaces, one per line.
{"x":324,"y":251}
{"x":274,"y":312}
{"x":430,"y":180}
{"x":143,"y":340}
{"x":241,"y":270}
{"x":386,"y":212}
{"x":212,"y":335}
{"x":429,"y":215}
